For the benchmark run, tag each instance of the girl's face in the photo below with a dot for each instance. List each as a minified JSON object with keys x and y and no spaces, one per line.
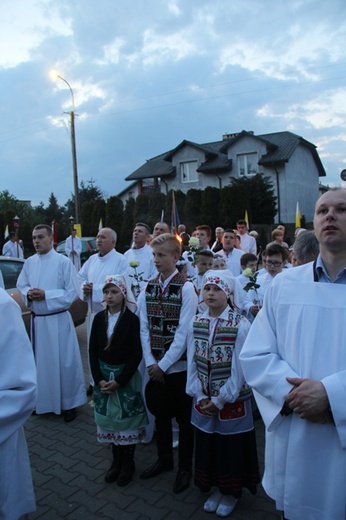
{"x":215,"y":299}
{"x":114,"y":298}
{"x":219,"y":264}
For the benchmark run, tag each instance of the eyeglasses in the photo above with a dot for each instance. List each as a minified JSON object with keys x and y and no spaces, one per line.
{"x":273,"y":264}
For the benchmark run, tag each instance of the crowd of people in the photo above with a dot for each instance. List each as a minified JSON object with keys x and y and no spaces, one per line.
{"x":187,"y":339}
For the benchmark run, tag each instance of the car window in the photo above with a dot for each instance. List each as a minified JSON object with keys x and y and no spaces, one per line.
{"x":61,"y":247}
{"x":10,"y":272}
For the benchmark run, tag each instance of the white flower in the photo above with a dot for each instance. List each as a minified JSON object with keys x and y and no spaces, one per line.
{"x":247,"y":272}
{"x":194,"y":242}
{"x":134,"y":263}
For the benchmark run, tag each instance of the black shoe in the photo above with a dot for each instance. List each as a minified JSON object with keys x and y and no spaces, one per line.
{"x":154,"y":470}
{"x":90,"y":390}
{"x":182,"y":481}
{"x":70,"y":415}
{"x":126,"y":473}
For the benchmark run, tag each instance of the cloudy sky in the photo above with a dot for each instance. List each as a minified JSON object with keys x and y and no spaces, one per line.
{"x":147,"y":74}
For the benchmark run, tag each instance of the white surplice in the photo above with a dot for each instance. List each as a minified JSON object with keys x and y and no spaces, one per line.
{"x":301,"y":332}
{"x":12,"y":249}
{"x":146,"y":268}
{"x":95,"y":270}
{"x":17,"y":401}
{"x":74,"y":244}
{"x":60,"y":377}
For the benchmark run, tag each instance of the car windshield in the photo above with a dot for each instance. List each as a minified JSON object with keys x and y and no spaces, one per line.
{"x":10,"y":272}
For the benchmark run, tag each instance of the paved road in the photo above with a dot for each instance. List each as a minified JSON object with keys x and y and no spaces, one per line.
{"x":68,"y":467}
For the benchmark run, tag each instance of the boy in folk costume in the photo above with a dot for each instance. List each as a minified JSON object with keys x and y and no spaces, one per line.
{"x":225,"y":454}
{"x":166,"y":310}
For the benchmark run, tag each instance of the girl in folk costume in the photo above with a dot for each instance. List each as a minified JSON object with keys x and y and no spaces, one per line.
{"x":115,"y":352}
{"x":225,"y":454}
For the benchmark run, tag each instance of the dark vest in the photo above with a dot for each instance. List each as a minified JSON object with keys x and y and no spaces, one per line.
{"x":163,"y":310}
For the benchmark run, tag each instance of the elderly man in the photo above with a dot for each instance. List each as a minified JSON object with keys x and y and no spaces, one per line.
{"x":295,"y":359}
{"x":217,"y":245}
{"x":48,"y":285}
{"x":92,"y":275}
{"x":142,"y":253}
{"x":18,"y":399}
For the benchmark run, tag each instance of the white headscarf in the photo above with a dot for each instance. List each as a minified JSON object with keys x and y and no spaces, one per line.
{"x":121,"y":282}
{"x":225,"y":280}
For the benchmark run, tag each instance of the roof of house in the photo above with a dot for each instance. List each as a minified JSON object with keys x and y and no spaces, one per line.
{"x":280,"y":147}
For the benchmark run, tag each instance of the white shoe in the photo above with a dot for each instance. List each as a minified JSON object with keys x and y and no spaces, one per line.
{"x":213,"y":501}
{"x":175,"y":444}
{"x":226,"y":506}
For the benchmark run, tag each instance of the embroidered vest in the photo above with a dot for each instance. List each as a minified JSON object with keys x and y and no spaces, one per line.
{"x":214,"y":360}
{"x":163,"y":310}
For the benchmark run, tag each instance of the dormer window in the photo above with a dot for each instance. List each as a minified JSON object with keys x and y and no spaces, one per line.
{"x":247,"y":164}
{"x":188,"y":171}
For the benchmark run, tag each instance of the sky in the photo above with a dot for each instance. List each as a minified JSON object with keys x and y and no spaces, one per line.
{"x":147,"y":74}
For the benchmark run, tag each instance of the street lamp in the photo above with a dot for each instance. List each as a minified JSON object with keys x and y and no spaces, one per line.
{"x":73,"y":147}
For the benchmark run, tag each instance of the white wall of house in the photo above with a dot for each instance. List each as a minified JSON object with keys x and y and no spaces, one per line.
{"x":299,"y":183}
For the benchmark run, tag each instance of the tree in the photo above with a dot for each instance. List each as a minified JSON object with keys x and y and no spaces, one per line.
{"x":210,"y":206}
{"x":257,"y":197}
{"x":125,"y":238}
{"x":192,"y":209}
{"x":157,"y":203}
{"x":115,"y":213}
{"x":86,"y":193}
{"x":141,"y":208}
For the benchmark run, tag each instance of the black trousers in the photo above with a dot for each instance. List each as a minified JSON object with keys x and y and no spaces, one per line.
{"x":165,"y":401}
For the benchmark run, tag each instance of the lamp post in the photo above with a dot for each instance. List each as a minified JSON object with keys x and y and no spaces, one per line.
{"x":73,"y":147}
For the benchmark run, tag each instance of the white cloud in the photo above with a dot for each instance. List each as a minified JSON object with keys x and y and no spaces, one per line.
{"x":24,"y":25}
{"x":326,"y":110}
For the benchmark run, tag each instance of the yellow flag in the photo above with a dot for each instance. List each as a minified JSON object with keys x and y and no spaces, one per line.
{"x":6,"y":234}
{"x":246,"y":218}
{"x":100,"y":224}
{"x":298,"y":217}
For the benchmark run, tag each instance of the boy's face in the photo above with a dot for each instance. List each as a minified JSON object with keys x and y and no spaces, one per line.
{"x":251,"y":265}
{"x":203,"y":264}
{"x":164,"y":259}
{"x":203,"y":238}
{"x":274,"y":264}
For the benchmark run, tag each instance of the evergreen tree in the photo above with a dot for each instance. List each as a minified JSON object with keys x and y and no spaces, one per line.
{"x":141,"y":208}
{"x":157,"y":203}
{"x":193,"y":209}
{"x":114,"y":213}
{"x":125,"y":238}
{"x":210,"y":206}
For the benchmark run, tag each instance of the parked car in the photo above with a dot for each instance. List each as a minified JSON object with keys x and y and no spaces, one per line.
{"x":88,"y":248}
{"x":10,"y":269}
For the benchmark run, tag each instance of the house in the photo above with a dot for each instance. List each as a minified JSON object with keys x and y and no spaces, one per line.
{"x":292,"y":164}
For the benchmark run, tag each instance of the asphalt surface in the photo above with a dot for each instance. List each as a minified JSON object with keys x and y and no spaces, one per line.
{"x":68,"y":466}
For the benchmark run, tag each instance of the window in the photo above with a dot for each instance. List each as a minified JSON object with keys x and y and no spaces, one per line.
{"x":247,"y":164}
{"x":188,"y":171}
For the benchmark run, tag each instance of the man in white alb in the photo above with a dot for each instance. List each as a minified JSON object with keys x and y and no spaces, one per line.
{"x":12,"y":248}
{"x":48,"y":285}
{"x":73,"y":248}
{"x":295,"y":359}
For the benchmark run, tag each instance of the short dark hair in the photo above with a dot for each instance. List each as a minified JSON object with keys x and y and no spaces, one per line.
{"x":276,"y":249}
{"x":246,"y":258}
{"x":142,"y":224}
{"x":206,"y":228}
{"x":44,"y":226}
